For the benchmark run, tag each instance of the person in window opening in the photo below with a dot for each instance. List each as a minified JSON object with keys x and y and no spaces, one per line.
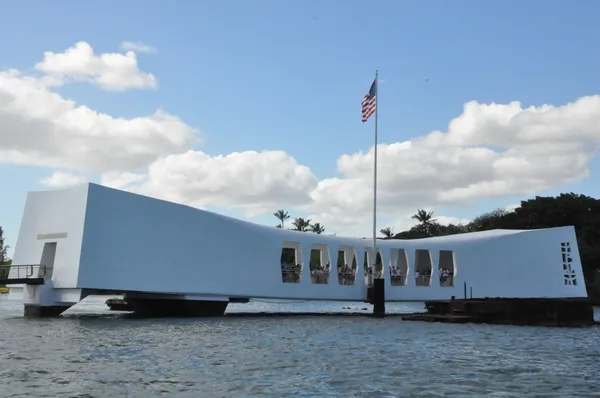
{"x":326,"y":274}
{"x":370,"y":276}
{"x":346,"y":276}
{"x":395,"y":275}
{"x":446,"y":276}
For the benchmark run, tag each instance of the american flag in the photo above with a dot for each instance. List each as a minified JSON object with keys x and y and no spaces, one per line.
{"x":369,"y":103}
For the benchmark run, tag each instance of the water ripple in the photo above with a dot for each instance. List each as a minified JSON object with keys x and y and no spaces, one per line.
{"x":108,"y":355}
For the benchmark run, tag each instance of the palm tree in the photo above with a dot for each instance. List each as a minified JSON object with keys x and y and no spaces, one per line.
{"x":387,"y":232}
{"x":282,"y":215}
{"x":4,"y":260}
{"x":3,"y":248}
{"x":424,"y":217}
{"x":317,"y":228}
{"x":426,"y":220}
{"x":300,"y":224}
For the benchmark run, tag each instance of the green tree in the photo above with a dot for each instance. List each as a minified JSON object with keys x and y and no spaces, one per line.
{"x":492,"y":220}
{"x":424,"y":216}
{"x":300,"y":224}
{"x":427,"y":223}
{"x":288,"y":256}
{"x":452,"y":229}
{"x":4,"y":260}
{"x":416,"y":232}
{"x":387,"y":232}
{"x":317,"y":228}
{"x":282,"y":215}
{"x":315,"y":259}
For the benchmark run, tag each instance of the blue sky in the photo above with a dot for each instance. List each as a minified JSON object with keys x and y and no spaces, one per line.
{"x":273,"y":75}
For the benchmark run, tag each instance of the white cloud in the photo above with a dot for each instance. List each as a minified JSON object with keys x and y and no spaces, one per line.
{"x":110,"y":71}
{"x":120,"y":180}
{"x":60,"y":179}
{"x":253,"y":181}
{"x":137,"y":47}
{"x":39,"y":127}
{"x":489,"y":151}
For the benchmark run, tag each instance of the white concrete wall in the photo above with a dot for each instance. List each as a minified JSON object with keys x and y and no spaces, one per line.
{"x":137,"y":243}
{"x":497,"y":264}
{"x":141,"y":244}
{"x":53,"y":216}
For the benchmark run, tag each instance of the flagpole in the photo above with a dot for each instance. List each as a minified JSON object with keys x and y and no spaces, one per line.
{"x":375,"y":179}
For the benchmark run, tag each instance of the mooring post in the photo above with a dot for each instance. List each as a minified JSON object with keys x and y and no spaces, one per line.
{"x":465,"y":288}
{"x":471,"y":289}
{"x":379,"y":297}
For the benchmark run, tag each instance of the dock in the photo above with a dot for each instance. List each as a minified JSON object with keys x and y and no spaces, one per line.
{"x":509,"y":311}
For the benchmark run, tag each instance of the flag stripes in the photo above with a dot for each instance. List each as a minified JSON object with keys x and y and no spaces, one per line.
{"x":369,"y":102}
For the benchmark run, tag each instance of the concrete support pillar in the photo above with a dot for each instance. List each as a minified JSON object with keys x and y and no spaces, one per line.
{"x":305,"y":279}
{"x":333,"y":271}
{"x":43,"y":301}
{"x":43,"y":311}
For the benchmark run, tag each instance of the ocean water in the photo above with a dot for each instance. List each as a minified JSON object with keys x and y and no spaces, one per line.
{"x":93,"y":352}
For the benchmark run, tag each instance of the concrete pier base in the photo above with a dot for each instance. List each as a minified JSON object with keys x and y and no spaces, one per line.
{"x":510,"y":311}
{"x":39,"y":311}
{"x":161,"y":308}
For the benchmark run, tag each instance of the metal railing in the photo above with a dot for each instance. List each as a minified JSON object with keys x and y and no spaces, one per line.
{"x":399,"y":280}
{"x":319,"y":277}
{"x":447,"y":281}
{"x":290,"y":276}
{"x":29,"y":271}
{"x":347,"y":278}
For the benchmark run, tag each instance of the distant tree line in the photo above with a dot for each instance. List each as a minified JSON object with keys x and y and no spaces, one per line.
{"x":299,"y":224}
{"x":4,"y":260}
{"x":567,"y":209}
